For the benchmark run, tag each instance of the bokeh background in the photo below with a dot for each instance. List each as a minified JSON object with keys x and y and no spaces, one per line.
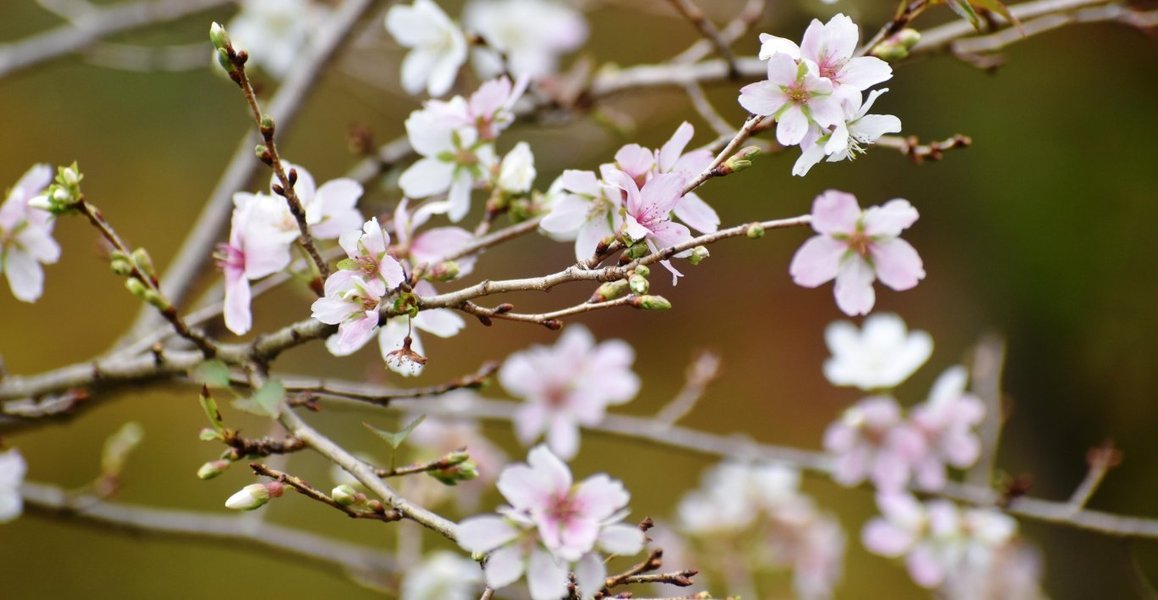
{"x":1043,"y":231}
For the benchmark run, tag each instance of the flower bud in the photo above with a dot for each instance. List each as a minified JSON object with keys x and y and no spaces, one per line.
{"x":642,"y":270}
{"x":639,"y":250}
{"x":218,"y":36}
{"x":121,"y":267}
{"x":144,"y":262}
{"x":223,"y":60}
{"x":896,"y":46}
{"x":267,"y":126}
{"x":255,"y":495}
{"x":155,"y":299}
{"x":610,"y":291}
{"x":344,"y":495}
{"x":41,"y":202}
{"x":651,"y":303}
{"x":444,"y":271}
{"x":699,"y":253}
{"x":464,"y":471}
{"x":136,"y":287}
{"x":638,"y":283}
{"x":739,"y":161}
{"x":212,"y":469}
{"x":755,"y":231}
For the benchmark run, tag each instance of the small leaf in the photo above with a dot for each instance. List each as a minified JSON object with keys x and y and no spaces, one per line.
{"x":209,"y":405}
{"x":211,"y":373}
{"x":395,"y":439}
{"x":208,"y":435}
{"x":266,"y":402}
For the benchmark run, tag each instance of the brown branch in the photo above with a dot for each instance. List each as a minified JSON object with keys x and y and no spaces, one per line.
{"x":911,"y":146}
{"x":321,"y":386}
{"x":375,"y":512}
{"x":448,"y":461}
{"x":550,"y":320}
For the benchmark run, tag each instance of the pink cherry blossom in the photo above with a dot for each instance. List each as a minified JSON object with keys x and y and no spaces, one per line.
{"x":259,"y":245}
{"x":26,"y":236}
{"x":567,"y":385}
{"x":552,"y":525}
{"x":850,"y":137}
{"x":947,"y":421}
{"x":671,"y":158}
{"x":795,"y":95}
{"x":649,"y":212}
{"x":453,"y":156}
{"x":490,"y":108}
{"x":938,"y":540}
{"x":441,"y":322}
{"x":430,"y":246}
{"x":352,"y":304}
{"x":367,"y":257}
{"x":856,"y":247}
{"x":872,"y":440}
{"x":830,"y":46}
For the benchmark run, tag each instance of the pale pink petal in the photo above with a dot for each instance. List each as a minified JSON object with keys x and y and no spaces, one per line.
{"x":600,"y":496}
{"x":635,"y":160}
{"x":762,"y":98}
{"x":566,"y":217}
{"x":590,"y":575}
{"x":336,"y":203}
{"x":890,"y":219}
{"x":817,"y":261}
{"x":854,"y":286}
{"x":835,"y":212}
{"x":237,"y":297}
{"x":691,"y":209}
{"x":37,"y":242}
{"x":505,"y":566}
{"x":770,"y":45}
{"x":590,"y":235}
{"x":621,"y":539}
{"x":546,"y":577}
{"x":549,"y":469}
{"x":674,"y":147}
{"x":530,"y":422}
{"x":441,"y":322}
{"x":355,"y":333}
{"x":427,"y":177}
{"x":459,"y":196}
{"x":485,"y":533}
{"x":924,"y":568}
{"x":330,"y":309}
{"x":864,"y":72}
{"x":25,"y":277}
{"x":580,"y":182}
{"x":791,"y":127}
{"x":884,"y":538}
{"x":563,"y":437}
{"x":897,"y":263}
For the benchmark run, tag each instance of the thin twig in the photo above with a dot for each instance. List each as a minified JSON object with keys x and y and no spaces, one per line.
{"x":376,"y":512}
{"x":692,"y":13}
{"x":911,"y":146}
{"x":703,"y":370}
{"x":985,"y":372}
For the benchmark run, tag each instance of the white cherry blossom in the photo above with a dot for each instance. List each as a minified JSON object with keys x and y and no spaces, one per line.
{"x":26,"y":236}
{"x":437,"y":46}
{"x":879,"y":356}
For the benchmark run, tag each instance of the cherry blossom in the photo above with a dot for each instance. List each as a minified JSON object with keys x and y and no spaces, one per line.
{"x":441,"y":322}
{"x":430,"y":246}
{"x":12,"y":469}
{"x":453,"y":159}
{"x":795,"y":95}
{"x":878,"y":357}
{"x":256,"y":248}
{"x":649,"y":210}
{"x":872,"y":440}
{"x":330,"y":209}
{"x":582,"y":210}
{"x":366,"y":250}
{"x":568,"y":385}
{"x":530,"y":33}
{"x":351,"y":303}
{"x":830,"y":46}
{"x":856,"y":247}
{"x":850,"y":137}
{"x":937,"y":539}
{"x":273,"y":32}
{"x":490,"y":108}
{"x":671,"y":158}
{"x":437,"y":47}
{"x":552,"y":523}
{"x":947,"y":421}
{"x":517,"y":171}
{"x":26,"y":236}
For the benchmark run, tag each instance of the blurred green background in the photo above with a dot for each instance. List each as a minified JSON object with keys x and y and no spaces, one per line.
{"x":1042,"y":231}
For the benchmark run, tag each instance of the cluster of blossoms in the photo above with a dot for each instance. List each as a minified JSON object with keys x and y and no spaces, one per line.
{"x":874,"y":439}
{"x":552,"y":527}
{"x":455,"y":139}
{"x":760,"y":510}
{"x":856,"y":247}
{"x":26,"y":235}
{"x":263,"y":230}
{"x":521,"y":37}
{"x":964,"y":552}
{"x":814,"y":91}
{"x":634,"y":199}
{"x":567,"y":385}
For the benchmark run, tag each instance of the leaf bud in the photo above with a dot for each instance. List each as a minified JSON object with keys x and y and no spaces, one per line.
{"x":144,"y":262}
{"x":121,"y":267}
{"x":136,"y":287}
{"x":218,"y":36}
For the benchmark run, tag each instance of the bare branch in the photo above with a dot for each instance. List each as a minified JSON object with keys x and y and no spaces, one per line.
{"x":692,"y":13}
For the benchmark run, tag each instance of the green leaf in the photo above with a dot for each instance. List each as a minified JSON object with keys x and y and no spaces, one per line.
{"x":209,"y":405}
{"x":395,"y":439}
{"x":211,"y":373}
{"x":208,"y":435}
{"x":266,"y":402}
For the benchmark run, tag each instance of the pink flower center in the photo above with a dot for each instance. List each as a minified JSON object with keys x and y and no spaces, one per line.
{"x":563,"y":509}
{"x":859,"y":243}
{"x":798,"y":94}
{"x":229,"y":257}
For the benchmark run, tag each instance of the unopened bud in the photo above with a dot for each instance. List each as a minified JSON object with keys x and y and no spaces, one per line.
{"x":344,"y":495}
{"x":136,"y":287}
{"x":444,"y":271}
{"x":41,"y":202}
{"x":253,"y":496}
{"x":896,"y":47}
{"x":651,"y":303}
{"x":70,"y":176}
{"x":740,"y":160}
{"x":699,"y":253}
{"x":263,"y":154}
{"x":218,"y":36}
{"x":121,"y":267}
{"x":223,"y":60}
{"x":457,"y":457}
{"x":610,"y":291}
{"x":639,"y":284}
{"x":144,"y":261}
{"x":464,"y":471}
{"x":642,"y":270}
{"x":155,"y":299}
{"x":755,"y":231}
{"x":637,"y":251}
{"x":266,"y":126}
{"x":212,"y":469}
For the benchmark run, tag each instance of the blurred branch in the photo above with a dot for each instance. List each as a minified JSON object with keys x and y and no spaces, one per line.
{"x":700,"y":21}
{"x":985,"y":371}
{"x":703,"y":370}
{"x":232,"y":531}
{"x":91,"y":26}
{"x":911,"y":146}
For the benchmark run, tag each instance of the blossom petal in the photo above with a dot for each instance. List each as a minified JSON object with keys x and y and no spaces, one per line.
{"x":897,"y":263}
{"x":485,"y":533}
{"x":890,"y":219}
{"x":835,"y":212}
{"x":590,"y":575}
{"x":621,"y":539}
{"x":817,"y":261}
{"x":699,"y":215}
{"x":25,"y":277}
{"x":504,"y":567}
{"x":426,"y":177}
{"x":546,"y":577}
{"x":854,"y":286}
